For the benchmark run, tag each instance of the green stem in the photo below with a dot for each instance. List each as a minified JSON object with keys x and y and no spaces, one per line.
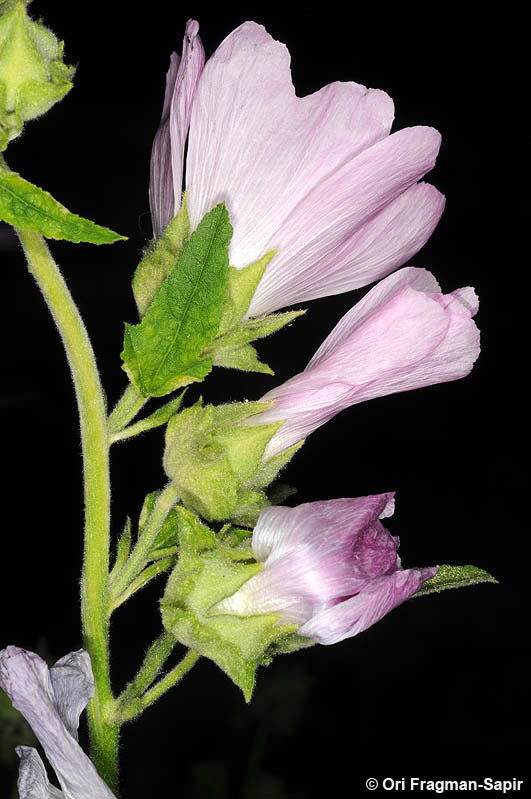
{"x":92,"y":413}
{"x":140,"y":554}
{"x":127,"y":407}
{"x":136,"y":707}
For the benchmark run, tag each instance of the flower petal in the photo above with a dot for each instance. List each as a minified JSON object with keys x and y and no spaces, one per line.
{"x":386,"y":241}
{"x":73,"y":687}
{"x":262,"y":150}
{"x":167,"y":156}
{"x":341,"y":204}
{"x":33,"y":781}
{"x":26,"y":679}
{"x":356,"y":614}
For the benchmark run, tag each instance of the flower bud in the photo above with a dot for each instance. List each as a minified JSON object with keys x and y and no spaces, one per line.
{"x":32,"y":74}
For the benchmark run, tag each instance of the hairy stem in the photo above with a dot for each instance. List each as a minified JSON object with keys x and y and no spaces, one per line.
{"x":136,"y":707}
{"x":92,"y":414}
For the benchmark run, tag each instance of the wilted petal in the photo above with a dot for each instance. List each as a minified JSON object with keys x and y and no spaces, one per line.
{"x":26,"y":679}
{"x":72,"y":687}
{"x":33,"y":781}
{"x":167,"y":155}
{"x":352,"y":616}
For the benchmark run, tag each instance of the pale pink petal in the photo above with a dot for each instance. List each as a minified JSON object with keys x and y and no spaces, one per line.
{"x":167,"y":157}
{"x":262,"y":150}
{"x":33,"y":781}
{"x":72,"y":685}
{"x":385,"y":242}
{"x":352,"y":616}
{"x":343,"y":202}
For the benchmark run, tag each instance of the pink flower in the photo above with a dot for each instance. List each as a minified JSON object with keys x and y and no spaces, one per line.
{"x":319,"y":179}
{"x":403,"y":334}
{"x":51,"y":700}
{"x":330,"y":567}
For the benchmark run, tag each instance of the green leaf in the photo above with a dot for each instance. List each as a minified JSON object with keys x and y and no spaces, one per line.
{"x":26,"y":206}
{"x":243,"y":357}
{"x":163,"y":352}
{"x":455,"y":577}
{"x":204,"y":575}
{"x":160,"y":261}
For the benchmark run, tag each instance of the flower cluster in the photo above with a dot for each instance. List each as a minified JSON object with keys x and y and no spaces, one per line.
{"x":323,"y":182}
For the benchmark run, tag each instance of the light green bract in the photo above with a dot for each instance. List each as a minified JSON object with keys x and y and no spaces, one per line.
{"x":164,"y":351}
{"x":216,"y":460}
{"x":454,"y":577}
{"x":30,"y":208}
{"x":33,"y":76}
{"x":209,"y":570}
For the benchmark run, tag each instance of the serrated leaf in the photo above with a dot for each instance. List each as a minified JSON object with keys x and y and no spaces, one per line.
{"x":160,"y":261}
{"x":205,"y":575}
{"x":163,"y":352}
{"x":27,"y":206}
{"x":455,"y":577}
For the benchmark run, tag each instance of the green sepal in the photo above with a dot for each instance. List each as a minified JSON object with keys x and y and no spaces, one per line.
{"x":33,"y":76}
{"x":122,"y":550}
{"x":168,"y":535}
{"x":454,"y":577}
{"x":269,"y":470}
{"x":160,"y":259}
{"x":27,"y":206}
{"x":155,"y":419}
{"x":233,"y":349}
{"x":249,"y":507}
{"x":204,"y":575}
{"x":164,"y":351}
{"x":209,"y":455}
{"x":241,"y":286}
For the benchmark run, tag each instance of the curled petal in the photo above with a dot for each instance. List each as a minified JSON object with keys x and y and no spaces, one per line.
{"x":167,"y":155}
{"x":33,"y":781}
{"x":352,"y":616}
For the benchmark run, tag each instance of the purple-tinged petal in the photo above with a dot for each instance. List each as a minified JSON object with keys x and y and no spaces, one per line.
{"x":352,"y":616}
{"x":26,"y":679}
{"x":262,"y":150}
{"x":167,"y":156}
{"x":315,"y":554}
{"x":385,"y":242}
{"x":33,"y":781}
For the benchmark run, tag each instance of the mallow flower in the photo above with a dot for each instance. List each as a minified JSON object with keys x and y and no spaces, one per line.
{"x":319,"y":179}
{"x":51,"y":700}
{"x":403,"y":334}
{"x":330,"y":567}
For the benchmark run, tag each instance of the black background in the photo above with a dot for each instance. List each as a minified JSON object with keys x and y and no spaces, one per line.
{"x":439,"y":688}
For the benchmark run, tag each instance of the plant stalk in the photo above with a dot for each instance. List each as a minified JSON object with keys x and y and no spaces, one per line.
{"x":103,"y":731}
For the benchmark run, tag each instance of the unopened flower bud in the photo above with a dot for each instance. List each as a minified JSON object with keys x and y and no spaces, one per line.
{"x":32,"y":74}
